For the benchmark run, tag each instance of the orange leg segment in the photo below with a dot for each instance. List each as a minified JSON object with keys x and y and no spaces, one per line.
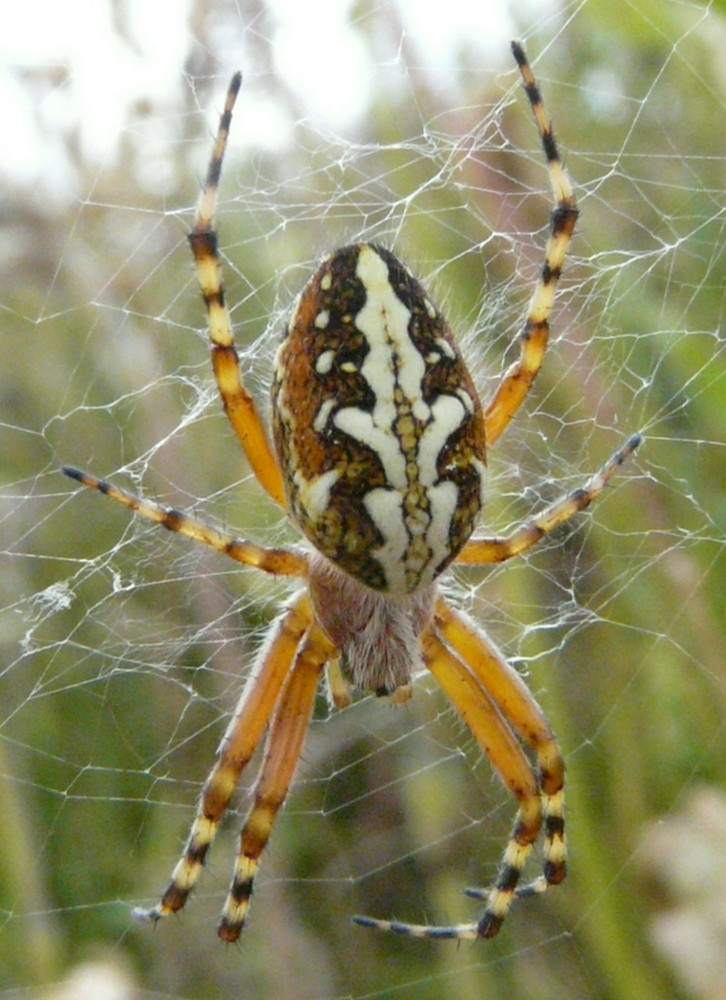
{"x":243,"y":736}
{"x":291,"y":722}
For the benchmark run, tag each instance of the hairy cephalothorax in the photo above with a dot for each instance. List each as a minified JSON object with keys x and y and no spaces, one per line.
{"x":378,"y":634}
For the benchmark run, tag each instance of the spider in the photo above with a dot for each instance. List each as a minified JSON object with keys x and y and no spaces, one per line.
{"x":379,"y":458}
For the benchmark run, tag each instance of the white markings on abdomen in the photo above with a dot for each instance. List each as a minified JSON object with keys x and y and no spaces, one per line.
{"x":414,"y":513}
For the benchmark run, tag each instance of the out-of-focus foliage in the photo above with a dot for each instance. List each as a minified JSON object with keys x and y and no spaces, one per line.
{"x":123,"y":651}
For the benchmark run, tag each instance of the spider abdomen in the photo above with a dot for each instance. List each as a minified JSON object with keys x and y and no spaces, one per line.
{"x":378,"y":426}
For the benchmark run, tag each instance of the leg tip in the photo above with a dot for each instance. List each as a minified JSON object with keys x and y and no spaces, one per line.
{"x":142,"y":915}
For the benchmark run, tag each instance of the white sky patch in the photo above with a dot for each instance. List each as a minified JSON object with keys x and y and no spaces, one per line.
{"x":442,"y":36}
{"x":322,"y":58}
{"x":443,"y":33}
{"x":108,"y":58}
{"x":67,"y":71}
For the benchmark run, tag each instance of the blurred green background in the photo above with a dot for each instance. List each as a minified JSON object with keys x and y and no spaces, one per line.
{"x":124,"y":649}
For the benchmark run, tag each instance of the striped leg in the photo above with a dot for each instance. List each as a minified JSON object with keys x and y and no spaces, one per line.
{"x":292,"y":718}
{"x":513,"y":698}
{"x":256,"y":706}
{"x":281,"y":562}
{"x":239,"y":405}
{"x":485,"y":720}
{"x":483,"y":551}
{"x":533,"y":340}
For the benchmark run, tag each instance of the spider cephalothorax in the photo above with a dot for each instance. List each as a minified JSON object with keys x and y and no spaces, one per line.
{"x":378,"y":634}
{"x":380,"y":440}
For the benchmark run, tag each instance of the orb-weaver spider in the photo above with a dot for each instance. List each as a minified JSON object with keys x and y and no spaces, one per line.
{"x":379,"y":453}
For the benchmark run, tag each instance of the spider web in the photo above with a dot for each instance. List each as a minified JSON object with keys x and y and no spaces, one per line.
{"x":124,"y":648}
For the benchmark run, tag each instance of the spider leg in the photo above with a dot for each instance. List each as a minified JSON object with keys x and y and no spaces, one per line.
{"x":518,"y":379}
{"x":339,"y":690}
{"x":238,"y":403}
{"x":253,"y":712}
{"x":480,"y":551}
{"x":483,"y":715}
{"x":290,"y":724}
{"x":514,"y":699}
{"x":282,"y":562}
